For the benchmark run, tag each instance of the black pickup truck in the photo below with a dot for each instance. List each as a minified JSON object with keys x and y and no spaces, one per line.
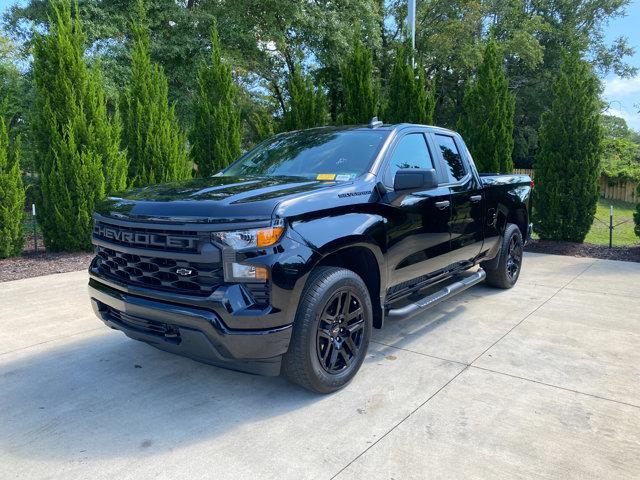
{"x":285,"y":261}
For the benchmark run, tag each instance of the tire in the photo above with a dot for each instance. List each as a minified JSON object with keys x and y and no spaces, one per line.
{"x":504,"y":271}
{"x":329,"y":343}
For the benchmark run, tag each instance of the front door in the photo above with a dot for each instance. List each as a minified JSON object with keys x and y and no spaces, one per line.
{"x":418,"y":238}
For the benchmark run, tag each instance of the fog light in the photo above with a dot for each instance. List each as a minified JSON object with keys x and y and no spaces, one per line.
{"x":248,"y":272}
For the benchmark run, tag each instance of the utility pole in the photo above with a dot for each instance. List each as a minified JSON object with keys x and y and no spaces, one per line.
{"x":411,"y":20}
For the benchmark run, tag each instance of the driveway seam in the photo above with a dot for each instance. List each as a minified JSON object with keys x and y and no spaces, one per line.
{"x":526,"y":379}
{"x":533,"y":311}
{"x":51,"y":340}
{"x":399,"y":423}
{"x":555,"y":386}
{"x":421,"y":353}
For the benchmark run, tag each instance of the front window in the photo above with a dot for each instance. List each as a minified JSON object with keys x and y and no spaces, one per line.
{"x":322,"y":154}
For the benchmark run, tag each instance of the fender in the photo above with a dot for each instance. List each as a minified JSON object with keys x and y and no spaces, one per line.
{"x":328,"y":235}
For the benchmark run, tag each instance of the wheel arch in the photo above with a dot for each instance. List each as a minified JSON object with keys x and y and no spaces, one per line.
{"x":362,"y":259}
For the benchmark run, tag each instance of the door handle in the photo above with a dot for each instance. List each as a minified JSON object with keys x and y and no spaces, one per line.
{"x":443,"y":204}
{"x":475,"y":198}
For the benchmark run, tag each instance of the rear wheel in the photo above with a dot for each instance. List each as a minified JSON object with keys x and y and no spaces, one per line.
{"x":331,"y":331}
{"x":505,"y":270}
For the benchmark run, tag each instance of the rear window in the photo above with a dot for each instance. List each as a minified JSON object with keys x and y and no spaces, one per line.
{"x":453,"y":161}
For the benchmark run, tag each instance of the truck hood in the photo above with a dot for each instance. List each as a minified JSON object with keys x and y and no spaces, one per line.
{"x":208,"y":200}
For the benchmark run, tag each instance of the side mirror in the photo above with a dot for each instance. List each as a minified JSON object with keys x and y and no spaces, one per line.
{"x":415,"y":179}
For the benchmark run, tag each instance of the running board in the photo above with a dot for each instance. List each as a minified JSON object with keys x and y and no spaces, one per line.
{"x":441,"y":295}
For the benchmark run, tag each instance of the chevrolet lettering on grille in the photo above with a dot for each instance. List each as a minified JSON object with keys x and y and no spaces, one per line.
{"x":144,"y":239}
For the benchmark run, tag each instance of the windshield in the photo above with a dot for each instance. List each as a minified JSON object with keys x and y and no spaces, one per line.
{"x":320,"y":154}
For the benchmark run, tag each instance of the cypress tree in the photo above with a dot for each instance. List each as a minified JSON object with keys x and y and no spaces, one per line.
{"x":12,"y":195}
{"x":488,"y":108}
{"x":636,"y":215}
{"x":262,"y":125}
{"x":568,"y":163}
{"x":76,"y":144}
{"x":215,"y":136}
{"x":409,"y":98}
{"x":307,"y":106}
{"x":156,"y":146}
{"x":359,"y":87}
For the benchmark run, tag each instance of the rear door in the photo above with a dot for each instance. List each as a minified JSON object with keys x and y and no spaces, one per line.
{"x":466,"y":223}
{"x":418,"y":238}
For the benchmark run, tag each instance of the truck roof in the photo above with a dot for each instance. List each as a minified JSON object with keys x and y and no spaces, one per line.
{"x":384,"y":127}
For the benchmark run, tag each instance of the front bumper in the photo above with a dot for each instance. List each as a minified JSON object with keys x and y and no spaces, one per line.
{"x":193,"y":332}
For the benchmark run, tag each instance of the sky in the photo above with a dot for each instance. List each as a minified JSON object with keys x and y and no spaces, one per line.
{"x":621,"y":94}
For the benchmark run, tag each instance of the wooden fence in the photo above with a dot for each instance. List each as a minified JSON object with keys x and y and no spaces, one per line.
{"x":623,"y":190}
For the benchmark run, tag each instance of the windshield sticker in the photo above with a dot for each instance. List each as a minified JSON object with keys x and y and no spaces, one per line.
{"x":326,"y":176}
{"x":344,"y":177}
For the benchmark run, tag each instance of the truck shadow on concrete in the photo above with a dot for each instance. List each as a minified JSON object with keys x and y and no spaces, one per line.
{"x":105,"y":396}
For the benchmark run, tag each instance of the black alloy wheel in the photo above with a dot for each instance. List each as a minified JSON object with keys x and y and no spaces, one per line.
{"x":514,"y":260}
{"x":340,"y":331}
{"x":503,"y":270}
{"x":331,"y":330}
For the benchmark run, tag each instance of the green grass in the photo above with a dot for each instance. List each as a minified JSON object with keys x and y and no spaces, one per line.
{"x":623,"y":235}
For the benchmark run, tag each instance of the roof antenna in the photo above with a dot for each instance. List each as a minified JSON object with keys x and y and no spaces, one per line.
{"x":375,"y":123}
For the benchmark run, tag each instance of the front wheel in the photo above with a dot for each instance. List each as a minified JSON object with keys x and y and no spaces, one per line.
{"x":331,"y":331}
{"x":503,"y":272}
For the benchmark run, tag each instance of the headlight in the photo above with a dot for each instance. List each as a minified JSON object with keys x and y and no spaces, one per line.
{"x":256,"y":238}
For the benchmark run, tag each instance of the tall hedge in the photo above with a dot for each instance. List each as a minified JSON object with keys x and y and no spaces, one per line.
{"x":568,"y":163}
{"x":410,"y":98}
{"x":215,"y":136}
{"x":307,"y":105}
{"x":636,"y":215}
{"x":488,"y":108}
{"x":77,"y":152}
{"x":360,"y":88}
{"x":156,"y":146}
{"x":12,"y":195}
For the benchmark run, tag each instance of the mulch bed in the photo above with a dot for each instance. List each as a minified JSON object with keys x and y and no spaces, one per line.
{"x":628,"y":254}
{"x":32,"y":264}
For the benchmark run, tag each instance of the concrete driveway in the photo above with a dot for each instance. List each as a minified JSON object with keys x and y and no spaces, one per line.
{"x":541,"y":381}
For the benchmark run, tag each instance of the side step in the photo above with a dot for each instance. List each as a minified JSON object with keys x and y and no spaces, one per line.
{"x":441,"y":295}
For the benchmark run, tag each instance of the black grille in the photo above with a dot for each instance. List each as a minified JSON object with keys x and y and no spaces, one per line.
{"x":175,"y":276}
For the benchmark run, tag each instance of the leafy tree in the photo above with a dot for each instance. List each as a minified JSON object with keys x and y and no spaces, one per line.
{"x":568,"y":164}
{"x":215,"y":136}
{"x":307,"y":105}
{"x":12,"y":195}
{"x":409,"y":98}
{"x":614,"y":127}
{"x":486,"y":122}
{"x":77,"y":151}
{"x":359,"y":87}
{"x":156,"y":145}
{"x":530,"y":36}
{"x":620,"y":158}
